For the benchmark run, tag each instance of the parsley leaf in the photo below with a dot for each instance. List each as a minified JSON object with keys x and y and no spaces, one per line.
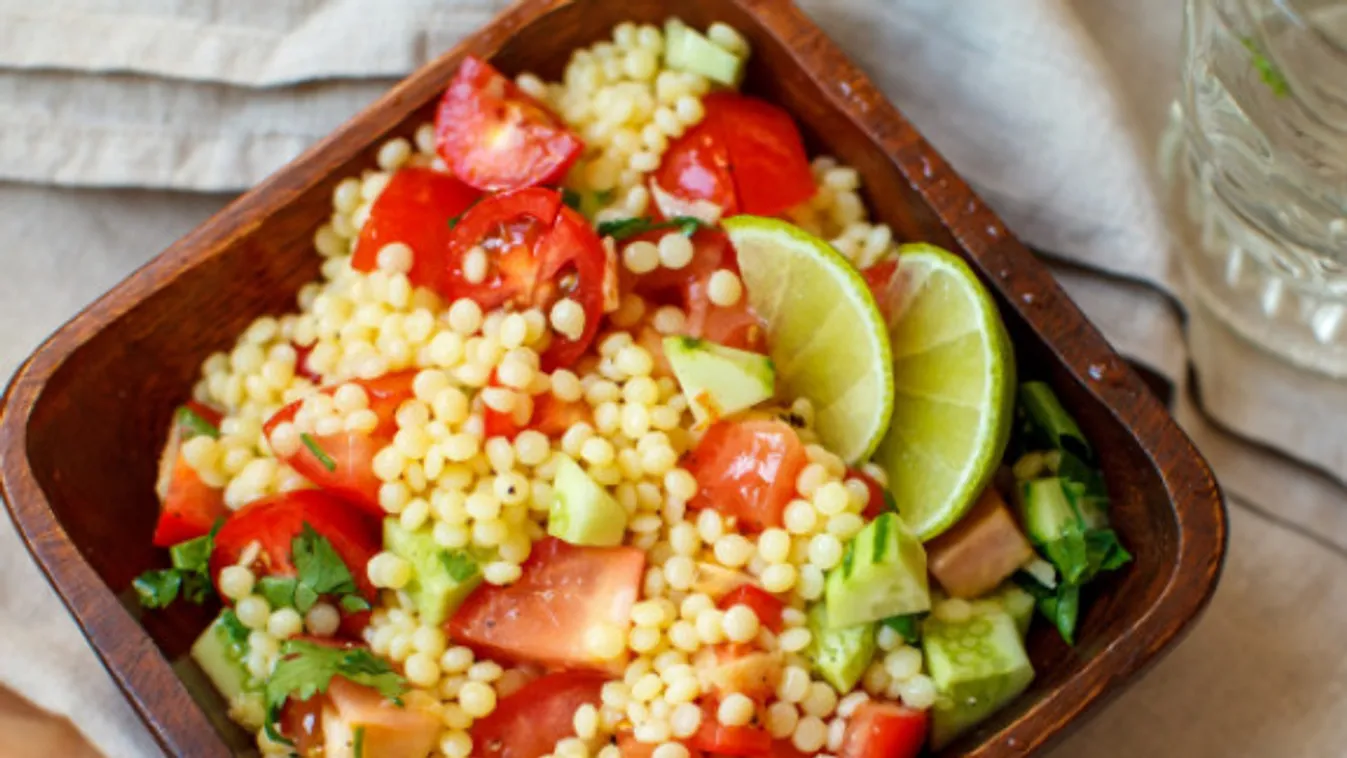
{"x":194,"y":424}
{"x":908,"y":626}
{"x":461,"y":568}
{"x":358,"y":742}
{"x":354,"y":603}
{"x":188,"y":577}
{"x":319,"y":566}
{"x":237,"y":632}
{"x":278,"y":590}
{"x":318,"y":452}
{"x":306,"y":669}
{"x":630,"y":227}
{"x":570,"y":198}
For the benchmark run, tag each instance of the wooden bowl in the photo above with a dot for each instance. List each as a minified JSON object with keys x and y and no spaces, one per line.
{"x":85,"y":416}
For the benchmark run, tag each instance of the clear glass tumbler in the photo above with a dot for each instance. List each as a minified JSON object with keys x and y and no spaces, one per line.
{"x":1256,"y":162}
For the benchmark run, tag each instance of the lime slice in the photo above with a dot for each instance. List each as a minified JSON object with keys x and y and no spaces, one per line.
{"x":828,"y":339}
{"x":953,"y":384}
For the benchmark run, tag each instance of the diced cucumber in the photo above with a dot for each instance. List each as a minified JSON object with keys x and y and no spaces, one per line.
{"x":977,"y":665}
{"x":839,"y":655}
{"x":686,"y":49}
{"x":1055,"y":526}
{"x":883,"y":574}
{"x":583,"y":512}
{"x":220,"y":652}
{"x":719,"y":380}
{"x":1050,"y":421}
{"x":441,"y":578}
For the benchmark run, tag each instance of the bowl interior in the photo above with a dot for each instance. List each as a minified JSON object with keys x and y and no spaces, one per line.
{"x":96,"y":429}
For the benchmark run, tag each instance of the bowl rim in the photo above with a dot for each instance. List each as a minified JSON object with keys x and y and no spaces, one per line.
{"x":144,"y":675}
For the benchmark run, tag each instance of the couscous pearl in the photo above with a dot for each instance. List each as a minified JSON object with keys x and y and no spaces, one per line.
{"x":825,"y":551}
{"x":477,"y":699}
{"x":236,"y":582}
{"x":465,"y":316}
{"x":800,"y":517}
{"x":675,"y":250}
{"x":395,"y":258}
{"x":918,"y":692}
{"x":741,"y":623}
{"x":810,"y":734}
{"x":903,"y":664}
{"x":782,"y":717}
{"x":421,"y":670}
{"x":456,"y":660}
{"x":322,"y":620}
{"x":284,"y":623}
{"x":736,"y":709}
{"x":724,"y":288}
{"x":820,"y":700}
{"x":733,"y":550}
{"x":954,"y":610}
{"x":456,"y":744}
{"x":685,"y":720}
{"x":641,"y":257}
{"x":253,"y":611}
{"x":475,"y":265}
{"x":568,"y":318}
{"x":393,"y":153}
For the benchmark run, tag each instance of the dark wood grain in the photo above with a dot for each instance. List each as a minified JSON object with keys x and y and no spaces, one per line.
{"x":83,"y":418}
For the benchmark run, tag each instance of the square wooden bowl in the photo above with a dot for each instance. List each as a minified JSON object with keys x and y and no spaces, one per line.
{"x":84,"y":418}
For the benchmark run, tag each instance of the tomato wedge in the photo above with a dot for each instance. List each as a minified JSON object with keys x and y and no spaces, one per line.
{"x":696,"y":166}
{"x":351,"y":454}
{"x":415,"y":209}
{"x":495,"y":137}
{"x":529,"y":723}
{"x":746,"y":468}
{"x":884,"y":730}
{"x":544,"y":617}
{"x":274,"y":522}
{"x":538,"y":252}
{"x":771,"y":169}
{"x":766,"y":606}
{"x":715,"y":737}
{"x":188,"y":507}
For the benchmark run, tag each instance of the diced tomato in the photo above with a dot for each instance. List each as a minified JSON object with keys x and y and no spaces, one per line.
{"x":387,"y":729}
{"x":550,"y":416}
{"x":879,"y":278}
{"x":715,"y":737}
{"x":630,"y":747}
{"x":538,"y":252}
{"x":274,"y":522}
{"x":544,"y":616}
{"x":352,"y":453}
{"x":877,"y":503}
{"x":767,"y":157}
{"x":495,"y":137}
{"x":415,"y":209}
{"x":696,"y":166}
{"x":528,"y":723}
{"x":301,"y":722}
{"x":735,"y":326}
{"x":746,"y":469}
{"x":784,"y":748}
{"x":188,"y":507}
{"x":884,"y":730}
{"x":765,"y":605}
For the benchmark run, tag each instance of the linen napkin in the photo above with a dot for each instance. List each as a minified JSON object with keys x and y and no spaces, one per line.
{"x":1052,"y":109}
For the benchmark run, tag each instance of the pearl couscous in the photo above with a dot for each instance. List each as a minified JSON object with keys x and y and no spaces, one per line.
{"x":459,"y":503}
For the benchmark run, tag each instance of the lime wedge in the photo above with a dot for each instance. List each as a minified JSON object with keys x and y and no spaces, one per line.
{"x":827,"y":337}
{"x":953,"y":384}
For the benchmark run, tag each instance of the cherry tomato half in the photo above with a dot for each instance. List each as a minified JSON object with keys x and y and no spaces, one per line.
{"x":538,"y":251}
{"x":746,"y":468}
{"x":415,"y":209}
{"x":696,"y":166}
{"x":351,"y":454}
{"x":495,"y":137}
{"x":884,"y":730}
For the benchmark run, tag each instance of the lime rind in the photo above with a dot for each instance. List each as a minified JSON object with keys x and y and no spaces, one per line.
{"x":829,"y":340}
{"x":949,"y":430}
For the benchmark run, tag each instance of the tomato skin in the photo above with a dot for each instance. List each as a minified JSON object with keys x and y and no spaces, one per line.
{"x":746,"y":468}
{"x":415,"y":208}
{"x":544,"y":616}
{"x":630,"y":747}
{"x":550,"y":416}
{"x":494,"y":137}
{"x":879,"y":278}
{"x":766,"y":606}
{"x":353,"y":452}
{"x":696,"y":166}
{"x":533,"y":243}
{"x":884,"y":730}
{"x":301,"y":722}
{"x":188,"y":507}
{"x":273,"y":522}
{"x":714,"y":737}
{"x":877,"y":503}
{"x":528,"y":723}
{"x":771,"y":170}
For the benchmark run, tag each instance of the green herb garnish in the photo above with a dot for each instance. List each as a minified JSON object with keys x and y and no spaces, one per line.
{"x":908,"y":627}
{"x":358,"y":743}
{"x":630,"y":227}
{"x":195,"y":426}
{"x":319,"y":571}
{"x":306,"y":669}
{"x":318,"y":452}
{"x":1267,"y":70}
{"x":354,"y":603}
{"x":188,"y":577}
{"x":570,"y":198}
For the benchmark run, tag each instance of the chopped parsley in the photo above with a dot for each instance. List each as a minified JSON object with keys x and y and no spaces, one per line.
{"x":193,"y":423}
{"x":318,"y":452}
{"x":306,"y":669}
{"x":319,"y":571}
{"x":460,"y":567}
{"x":570,"y":198}
{"x":189,"y":576}
{"x":354,"y":603}
{"x":630,"y":227}
{"x":908,"y":627}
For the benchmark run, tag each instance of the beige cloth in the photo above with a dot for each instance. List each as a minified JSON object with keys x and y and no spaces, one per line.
{"x":1051,"y":107}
